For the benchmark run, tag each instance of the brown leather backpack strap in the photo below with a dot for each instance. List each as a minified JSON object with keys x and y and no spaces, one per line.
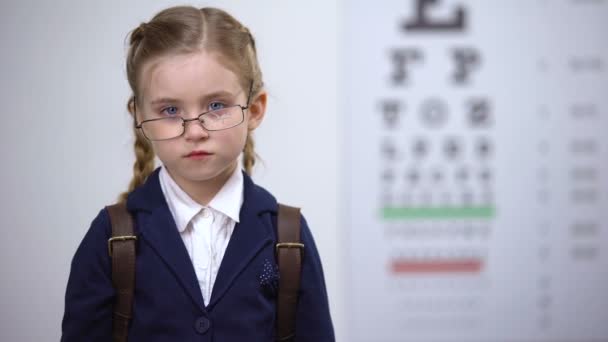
{"x":289,"y":250}
{"x":121,"y":247}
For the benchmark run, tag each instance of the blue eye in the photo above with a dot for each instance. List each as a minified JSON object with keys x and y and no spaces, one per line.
{"x":170,"y":110}
{"x":216,"y":105}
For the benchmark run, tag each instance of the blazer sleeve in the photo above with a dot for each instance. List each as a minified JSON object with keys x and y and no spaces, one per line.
{"x":313,"y":320}
{"x":89,"y":293}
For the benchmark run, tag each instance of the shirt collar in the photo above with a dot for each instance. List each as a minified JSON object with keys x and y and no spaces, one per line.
{"x":227,"y":201}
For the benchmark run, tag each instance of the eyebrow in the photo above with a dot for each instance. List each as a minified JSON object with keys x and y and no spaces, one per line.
{"x":164,"y":100}
{"x":221,"y":93}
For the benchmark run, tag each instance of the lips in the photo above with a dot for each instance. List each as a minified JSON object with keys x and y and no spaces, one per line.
{"x":199,"y":154}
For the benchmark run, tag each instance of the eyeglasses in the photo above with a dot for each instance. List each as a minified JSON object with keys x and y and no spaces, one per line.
{"x":214,"y":120}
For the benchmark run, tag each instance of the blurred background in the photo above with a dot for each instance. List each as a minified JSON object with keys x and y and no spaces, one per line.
{"x":450,"y":157}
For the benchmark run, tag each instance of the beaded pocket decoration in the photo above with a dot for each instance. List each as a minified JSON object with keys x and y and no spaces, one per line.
{"x":269,"y":278}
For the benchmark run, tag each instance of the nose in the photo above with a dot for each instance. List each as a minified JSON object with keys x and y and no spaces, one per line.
{"x":194,"y":130}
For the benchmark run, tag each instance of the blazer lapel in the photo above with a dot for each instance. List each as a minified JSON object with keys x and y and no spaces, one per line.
{"x":157,"y":227}
{"x":250,"y":235}
{"x":161,"y":233}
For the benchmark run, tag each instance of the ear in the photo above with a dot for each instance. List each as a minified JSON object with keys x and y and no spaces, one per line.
{"x":133,"y":109}
{"x":257,"y":109}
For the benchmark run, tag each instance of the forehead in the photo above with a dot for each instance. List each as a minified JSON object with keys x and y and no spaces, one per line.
{"x":187,"y":76}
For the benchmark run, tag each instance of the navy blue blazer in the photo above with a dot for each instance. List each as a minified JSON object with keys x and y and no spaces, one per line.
{"x":168,"y":304}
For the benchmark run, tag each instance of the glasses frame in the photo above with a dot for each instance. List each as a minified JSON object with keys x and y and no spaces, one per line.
{"x":197,"y":118}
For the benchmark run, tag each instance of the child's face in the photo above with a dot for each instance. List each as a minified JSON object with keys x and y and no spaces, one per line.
{"x":188,"y":85}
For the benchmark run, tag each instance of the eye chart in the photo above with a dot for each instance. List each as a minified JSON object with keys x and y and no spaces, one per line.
{"x":477,"y":158}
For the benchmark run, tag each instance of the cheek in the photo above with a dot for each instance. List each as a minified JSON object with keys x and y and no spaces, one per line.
{"x":163,"y":150}
{"x":234,"y":138}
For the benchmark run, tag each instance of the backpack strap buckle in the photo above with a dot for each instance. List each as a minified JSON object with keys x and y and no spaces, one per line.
{"x":289,"y":245}
{"x":119,"y":238}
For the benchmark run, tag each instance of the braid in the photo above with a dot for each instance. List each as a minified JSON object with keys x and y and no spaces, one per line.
{"x":249,"y":154}
{"x":144,"y":158}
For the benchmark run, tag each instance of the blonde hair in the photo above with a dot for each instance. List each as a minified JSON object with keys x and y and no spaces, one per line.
{"x":182,"y":30}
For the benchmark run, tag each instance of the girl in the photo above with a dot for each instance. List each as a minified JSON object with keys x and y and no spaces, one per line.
{"x":206,"y":233}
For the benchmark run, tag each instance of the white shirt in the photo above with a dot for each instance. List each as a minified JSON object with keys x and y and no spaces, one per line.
{"x":205,"y":230}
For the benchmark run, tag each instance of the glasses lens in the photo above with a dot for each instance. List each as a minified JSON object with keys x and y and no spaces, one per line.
{"x":223,"y":118}
{"x":162,"y":129}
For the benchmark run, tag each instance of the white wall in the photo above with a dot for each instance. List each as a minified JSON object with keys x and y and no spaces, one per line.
{"x":66,"y":143}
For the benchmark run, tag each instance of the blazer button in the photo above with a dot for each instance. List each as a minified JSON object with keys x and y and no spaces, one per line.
{"x":201,"y":325}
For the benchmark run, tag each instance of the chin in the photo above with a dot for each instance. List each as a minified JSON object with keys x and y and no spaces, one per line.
{"x":200,"y":173}
{"x":204,"y":175}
